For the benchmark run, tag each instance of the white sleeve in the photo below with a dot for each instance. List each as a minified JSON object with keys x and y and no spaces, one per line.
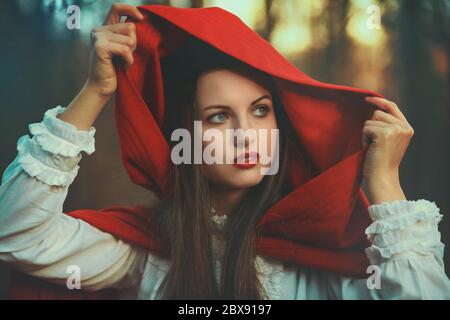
{"x":36,"y":237}
{"x":406,"y":252}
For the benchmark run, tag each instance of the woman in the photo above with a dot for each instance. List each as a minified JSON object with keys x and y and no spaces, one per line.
{"x":217,"y":260}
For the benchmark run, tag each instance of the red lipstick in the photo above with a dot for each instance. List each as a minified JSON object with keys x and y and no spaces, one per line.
{"x":250,"y":160}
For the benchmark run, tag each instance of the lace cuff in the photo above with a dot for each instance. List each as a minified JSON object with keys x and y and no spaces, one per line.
{"x":59,"y":137}
{"x":53,"y":153}
{"x":404,"y":226}
{"x":51,"y":169}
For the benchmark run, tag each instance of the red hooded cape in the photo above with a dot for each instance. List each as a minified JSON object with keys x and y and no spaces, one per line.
{"x":320,"y":223}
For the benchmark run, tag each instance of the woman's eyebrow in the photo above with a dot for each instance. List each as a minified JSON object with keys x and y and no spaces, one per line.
{"x":263,"y":97}
{"x":221,"y":106}
{"x":217,"y":106}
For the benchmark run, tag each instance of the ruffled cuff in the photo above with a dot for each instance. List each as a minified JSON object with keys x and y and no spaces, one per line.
{"x":60,"y":137}
{"x":403,"y":226}
{"x":51,"y":169}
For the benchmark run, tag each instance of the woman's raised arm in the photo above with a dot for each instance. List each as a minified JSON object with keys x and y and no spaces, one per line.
{"x":35,"y":236}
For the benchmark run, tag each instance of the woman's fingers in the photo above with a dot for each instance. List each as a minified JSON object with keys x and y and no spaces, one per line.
{"x":391,"y":112}
{"x":387,"y":124}
{"x":370,"y":133}
{"x":388,"y":106}
{"x":106,"y":49}
{"x":116,"y":37}
{"x":119,"y":38}
{"x":375,"y":123}
{"x":384,"y":116}
{"x":126,"y":29}
{"x":112,"y":41}
{"x":119,"y":9}
{"x":122,"y":28}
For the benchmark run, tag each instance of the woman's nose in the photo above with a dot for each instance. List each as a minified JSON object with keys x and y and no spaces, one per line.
{"x":245,"y":132}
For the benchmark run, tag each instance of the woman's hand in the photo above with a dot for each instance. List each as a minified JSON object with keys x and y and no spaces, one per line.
{"x":113,"y":40}
{"x":386,"y":136}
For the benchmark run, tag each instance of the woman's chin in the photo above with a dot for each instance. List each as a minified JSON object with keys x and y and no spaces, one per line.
{"x":243,"y":177}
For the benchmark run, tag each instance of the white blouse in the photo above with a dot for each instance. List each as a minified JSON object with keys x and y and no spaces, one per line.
{"x":38,"y":239}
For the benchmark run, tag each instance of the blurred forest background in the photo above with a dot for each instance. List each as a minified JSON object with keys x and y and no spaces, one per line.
{"x":405,"y":57}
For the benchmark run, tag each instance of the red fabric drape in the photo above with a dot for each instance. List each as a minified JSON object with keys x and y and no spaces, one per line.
{"x":320,"y":223}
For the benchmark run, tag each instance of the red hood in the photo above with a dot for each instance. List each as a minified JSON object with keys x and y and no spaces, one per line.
{"x":327,"y":212}
{"x":321,"y":222}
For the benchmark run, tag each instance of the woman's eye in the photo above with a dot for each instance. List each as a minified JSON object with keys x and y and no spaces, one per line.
{"x":261,"y":111}
{"x":218,"y":118}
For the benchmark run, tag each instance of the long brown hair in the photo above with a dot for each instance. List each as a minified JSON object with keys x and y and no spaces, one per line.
{"x":185,"y":218}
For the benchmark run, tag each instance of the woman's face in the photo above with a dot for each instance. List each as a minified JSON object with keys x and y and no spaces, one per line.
{"x":230,"y":100}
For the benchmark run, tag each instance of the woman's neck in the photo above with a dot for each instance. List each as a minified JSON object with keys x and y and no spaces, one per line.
{"x":226,"y":200}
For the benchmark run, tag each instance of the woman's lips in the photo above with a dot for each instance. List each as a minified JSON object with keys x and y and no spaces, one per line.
{"x":250,"y":160}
